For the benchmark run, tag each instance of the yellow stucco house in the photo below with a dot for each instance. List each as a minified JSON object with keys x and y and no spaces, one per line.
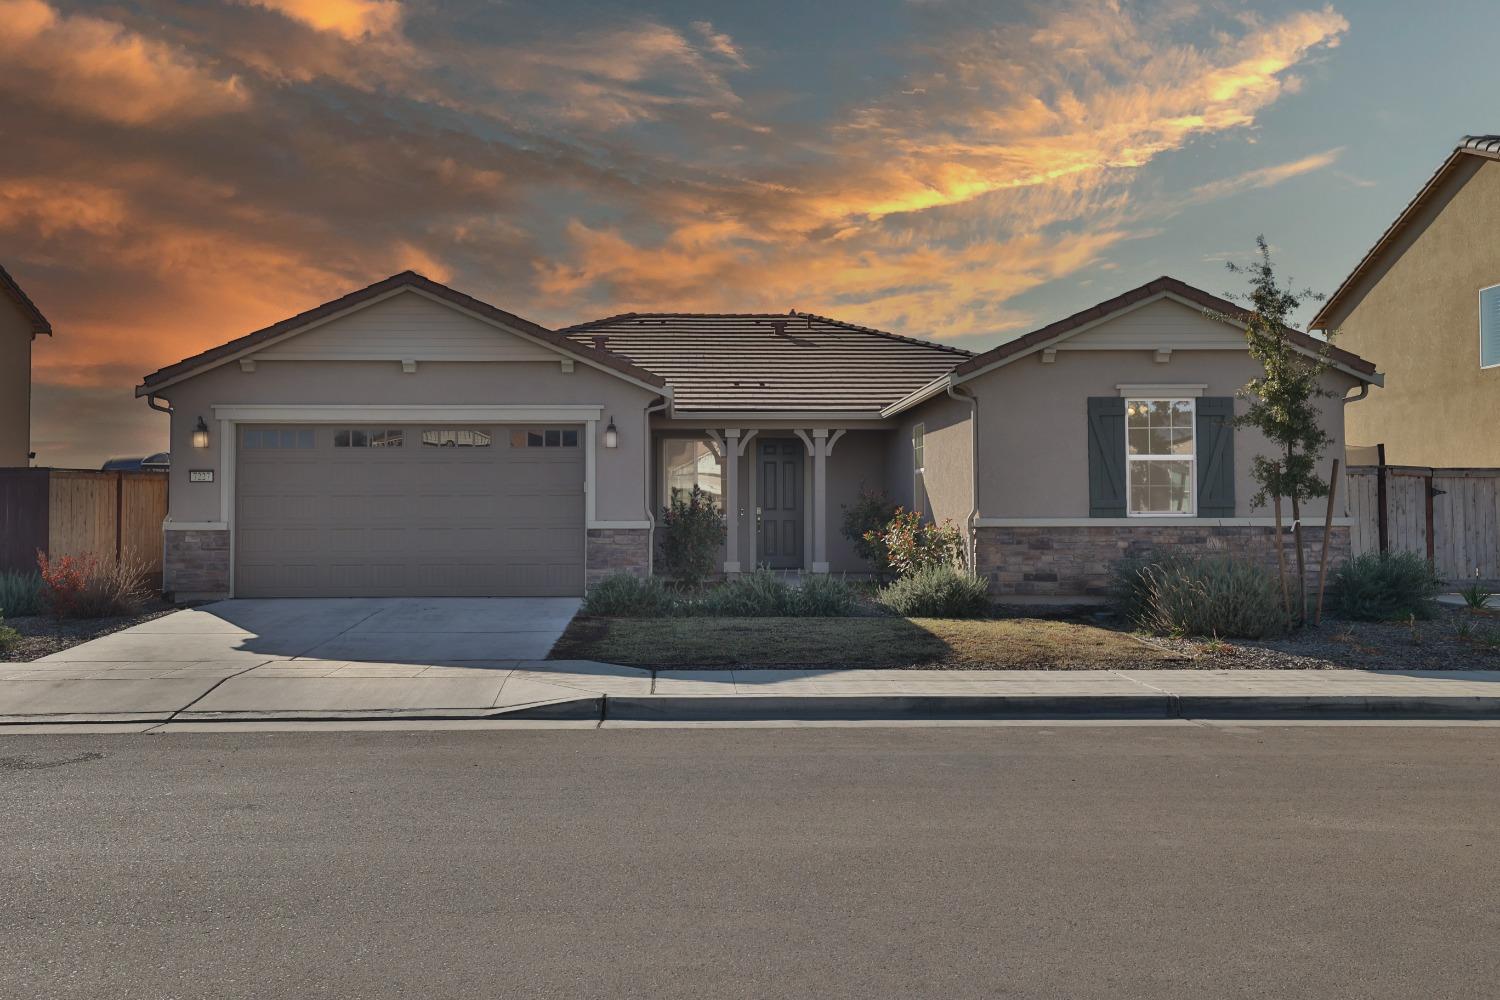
{"x":1425,"y":304}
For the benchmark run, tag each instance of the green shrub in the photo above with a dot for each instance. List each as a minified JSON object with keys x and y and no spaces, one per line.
{"x":761,"y":594}
{"x":1182,"y":596}
{"x":621,"y":595}
{"x":1384,"y":586}
{"x":21,"y":594}
{"x":823,"y":596}
{"x":692,"y":529}
{"x":8,"y":635}
{"x":864,"y":525}
{"x":1476,"y":596}
{"x":913,"y":544}
{"x":937,"y":592}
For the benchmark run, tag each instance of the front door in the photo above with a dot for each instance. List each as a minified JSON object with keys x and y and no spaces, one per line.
{"x":779,"y":503}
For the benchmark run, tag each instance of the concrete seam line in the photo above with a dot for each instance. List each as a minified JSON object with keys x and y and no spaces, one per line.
{"x":337,"y":635}
{"x":211,"y":689}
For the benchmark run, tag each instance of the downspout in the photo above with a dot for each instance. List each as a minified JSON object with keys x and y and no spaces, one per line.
{"x":151,"y":402}
{"x":971,"y":548}
{"x":646,"y":481}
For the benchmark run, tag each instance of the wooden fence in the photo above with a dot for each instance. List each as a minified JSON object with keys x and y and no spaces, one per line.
{"x":75,"y":512}
{"x":1451,"y":516}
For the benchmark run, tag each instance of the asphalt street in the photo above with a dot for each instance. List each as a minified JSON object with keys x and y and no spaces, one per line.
{"x":1153,"y":862}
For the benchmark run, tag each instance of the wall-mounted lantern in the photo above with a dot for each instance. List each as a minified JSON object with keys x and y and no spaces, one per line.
{"x":611,"y":436}
{"x":200,"y":434}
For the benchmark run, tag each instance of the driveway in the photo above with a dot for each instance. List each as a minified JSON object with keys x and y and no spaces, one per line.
{"x":317,"y":657}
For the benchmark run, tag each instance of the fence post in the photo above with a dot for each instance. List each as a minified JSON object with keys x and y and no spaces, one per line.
{"x":119,"y":514}
{"x":1380,"y":500}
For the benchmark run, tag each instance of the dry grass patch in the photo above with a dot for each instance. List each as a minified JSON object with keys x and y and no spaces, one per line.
{"x":918,"y":643}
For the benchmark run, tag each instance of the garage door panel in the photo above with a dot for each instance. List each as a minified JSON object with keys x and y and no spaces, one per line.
{"x":320,"y":520}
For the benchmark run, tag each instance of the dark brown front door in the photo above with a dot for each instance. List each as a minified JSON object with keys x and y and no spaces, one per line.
{"x":779,"y":485}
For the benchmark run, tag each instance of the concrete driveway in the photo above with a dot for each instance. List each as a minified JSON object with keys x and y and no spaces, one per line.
{"x":317,"y":657}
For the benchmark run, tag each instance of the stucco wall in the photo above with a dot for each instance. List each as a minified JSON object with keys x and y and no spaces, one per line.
{"x":15,"y":385}
{"x":1033,"y":430}
{"x":1419,"y":322}
{"x":620,"y":471}
{"x":947,"y":458}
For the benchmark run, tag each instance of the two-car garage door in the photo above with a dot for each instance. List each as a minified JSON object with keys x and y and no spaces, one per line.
{"x":389,"y":511}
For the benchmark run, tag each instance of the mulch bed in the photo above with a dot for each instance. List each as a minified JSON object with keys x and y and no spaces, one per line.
{"x":42,"y":635}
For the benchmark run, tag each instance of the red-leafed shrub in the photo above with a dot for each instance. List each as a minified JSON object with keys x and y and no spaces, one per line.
{"x":86,"y":587}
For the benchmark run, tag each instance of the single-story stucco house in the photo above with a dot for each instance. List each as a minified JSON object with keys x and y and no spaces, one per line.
{"x":407,"y":439}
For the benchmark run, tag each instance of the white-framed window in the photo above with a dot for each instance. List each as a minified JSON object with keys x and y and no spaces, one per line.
{"x":272,"y":437}
{"x":918,"y":466}
{"x":1161,"y":457}
{"x":689,"y":462}
{"x":1489,"y":327}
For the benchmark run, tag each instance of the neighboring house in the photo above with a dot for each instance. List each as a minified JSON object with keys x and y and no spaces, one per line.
{"x":159,"y":462}
{"x":1426,"y":301}
{"x":407,"y":439}
{"x":20,"y":322}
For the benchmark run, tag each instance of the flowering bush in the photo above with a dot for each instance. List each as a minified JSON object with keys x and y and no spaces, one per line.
{"x":913,"y":544}
{"x":692,"y":529}
{"x":85,"y":587}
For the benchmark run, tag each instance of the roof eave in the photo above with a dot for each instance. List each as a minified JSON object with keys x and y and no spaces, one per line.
{"x":1323,"y":321}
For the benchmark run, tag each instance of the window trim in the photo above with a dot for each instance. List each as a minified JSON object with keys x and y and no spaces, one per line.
{"x":1482,"y":365}
{"x":1192,"y":460}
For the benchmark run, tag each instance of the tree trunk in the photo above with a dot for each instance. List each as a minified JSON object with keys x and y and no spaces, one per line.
{"x":1286,"y":601}
{"x":1301,"y":560}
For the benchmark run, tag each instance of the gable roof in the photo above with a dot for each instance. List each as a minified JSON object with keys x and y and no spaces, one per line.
{"x":771,"y":362}
{"x":11,"y":290}
{"x":1485,"y":147}
{"x":1036,"y":340}
{"x":225,"y":353}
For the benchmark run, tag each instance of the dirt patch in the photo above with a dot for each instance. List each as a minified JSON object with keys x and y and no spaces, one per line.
{"x":43,"y":635}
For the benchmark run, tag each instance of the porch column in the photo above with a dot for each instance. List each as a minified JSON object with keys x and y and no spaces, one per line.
{"x":820,"y":500}
{"x":730,"y":459}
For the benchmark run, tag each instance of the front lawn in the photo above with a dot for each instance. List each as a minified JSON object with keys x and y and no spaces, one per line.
{"x":930,"y":643}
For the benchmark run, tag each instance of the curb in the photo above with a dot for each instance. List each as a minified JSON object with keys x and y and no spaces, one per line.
{"x":815,"y":708}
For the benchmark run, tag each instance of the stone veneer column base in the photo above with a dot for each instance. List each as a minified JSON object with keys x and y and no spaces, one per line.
{"x":1074,"y":561}
{"x":616,"y":550}
{"x":196,"y":564}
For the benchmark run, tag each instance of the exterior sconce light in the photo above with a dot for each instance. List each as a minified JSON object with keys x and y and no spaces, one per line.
{"x":611,"y":436}
{"x":200,"y":434}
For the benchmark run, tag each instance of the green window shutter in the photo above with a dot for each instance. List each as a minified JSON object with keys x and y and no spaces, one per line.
{"x":1106,"y":456}
{"x":1215,"y":434}
{"x":1489,"y":327}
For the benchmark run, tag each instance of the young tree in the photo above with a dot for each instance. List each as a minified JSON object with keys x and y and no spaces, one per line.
{"x":1283,"y":401}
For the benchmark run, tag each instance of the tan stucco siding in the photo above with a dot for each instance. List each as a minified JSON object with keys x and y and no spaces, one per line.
{"x":15,"y":385}
{"x":857,"y":462}
{"x":947,"y":460}
{"x":1417,"y":318}
{"x":620,"y":472}
{"x":1033,"y":432}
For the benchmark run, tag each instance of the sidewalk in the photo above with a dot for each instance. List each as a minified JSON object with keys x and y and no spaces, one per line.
{"x":280,"y":688}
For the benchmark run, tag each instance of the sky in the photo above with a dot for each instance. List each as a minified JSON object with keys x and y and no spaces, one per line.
{"x":176,"y":174}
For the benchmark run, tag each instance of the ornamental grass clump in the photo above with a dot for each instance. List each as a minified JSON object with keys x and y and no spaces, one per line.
{"x":21,"y":594}
{"x":1202,"y":597}
{"x":941,"y":591}
{"x":761,"y":594}
{"x":622,"y":595}
{"x":824,"y":596}
{"x":1385,"y":586}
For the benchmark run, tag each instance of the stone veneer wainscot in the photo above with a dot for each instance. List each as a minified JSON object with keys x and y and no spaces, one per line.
{"x":196,"y":565}
{"x":617,"y":550}
{"x":1079,"y":560}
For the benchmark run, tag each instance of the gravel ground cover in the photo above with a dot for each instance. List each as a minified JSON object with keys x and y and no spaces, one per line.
{"x":42,"y":635}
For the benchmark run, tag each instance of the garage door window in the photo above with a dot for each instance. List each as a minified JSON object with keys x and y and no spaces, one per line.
{"x":256,"y":437}
{"x":461,"y":437}
{"x":551,"y":437}
{"x":358,"y":437}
